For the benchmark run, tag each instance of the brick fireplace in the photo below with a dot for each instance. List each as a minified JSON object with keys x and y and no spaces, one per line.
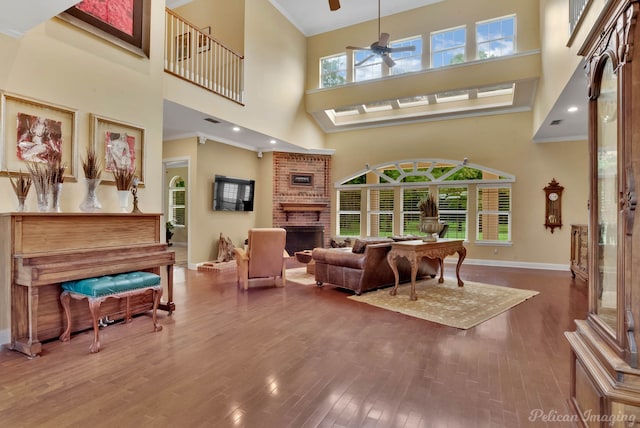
{"x":301,"y":199}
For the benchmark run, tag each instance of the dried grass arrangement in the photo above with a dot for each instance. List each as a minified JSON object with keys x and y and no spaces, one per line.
{"x":21,"y":184}
{"x":41,"y":178}
{"x":428,"y":206}
{"x":56,"y":167}
{"x":124,"y":177}
{"x":91,"y":165}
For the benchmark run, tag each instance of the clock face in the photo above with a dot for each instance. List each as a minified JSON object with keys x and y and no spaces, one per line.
{"x":553,"y":196}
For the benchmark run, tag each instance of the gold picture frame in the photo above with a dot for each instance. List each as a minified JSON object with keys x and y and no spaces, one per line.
{"x":30,"y":129}
{"x":118,"y":143}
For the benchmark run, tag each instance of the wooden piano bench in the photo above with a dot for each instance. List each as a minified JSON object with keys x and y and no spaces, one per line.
{"x":96,"y":290}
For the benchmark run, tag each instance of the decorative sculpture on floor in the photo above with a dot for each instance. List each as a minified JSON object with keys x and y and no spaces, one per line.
{"x":225,"y":249}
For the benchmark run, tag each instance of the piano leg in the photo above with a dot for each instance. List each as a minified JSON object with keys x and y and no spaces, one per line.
{"x":25,"y":331}
{"x":169,"y":306}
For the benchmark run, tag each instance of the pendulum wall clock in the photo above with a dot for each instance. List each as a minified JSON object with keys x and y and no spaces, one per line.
{"x":553,"y":205}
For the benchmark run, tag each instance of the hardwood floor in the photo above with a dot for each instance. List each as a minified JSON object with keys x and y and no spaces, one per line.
{"x":302,"y":356}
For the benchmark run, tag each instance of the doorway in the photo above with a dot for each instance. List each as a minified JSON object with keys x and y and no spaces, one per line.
{"x":176,"y":207}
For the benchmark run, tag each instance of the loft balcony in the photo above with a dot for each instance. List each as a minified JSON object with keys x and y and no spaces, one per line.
{"x":193,"y":55}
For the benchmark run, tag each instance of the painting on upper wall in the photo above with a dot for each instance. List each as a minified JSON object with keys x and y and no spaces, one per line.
{"x":35,"y":131}
{"x":123,"y":22}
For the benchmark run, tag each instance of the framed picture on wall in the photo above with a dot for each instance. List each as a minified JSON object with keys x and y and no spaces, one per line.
{"x":301,"y":179}
{"x":204,"y":42}
{"x":125,"y":23}
{"x":118,"y":144}
{"x":183,"y":46}
{"x":36,"y":131}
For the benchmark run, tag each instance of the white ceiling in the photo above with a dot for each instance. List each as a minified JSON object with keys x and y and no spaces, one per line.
{"x":19,"y":16}
{"x":314,"y":17}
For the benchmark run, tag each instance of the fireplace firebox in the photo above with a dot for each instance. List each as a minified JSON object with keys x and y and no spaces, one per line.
{"x":303,"y":238}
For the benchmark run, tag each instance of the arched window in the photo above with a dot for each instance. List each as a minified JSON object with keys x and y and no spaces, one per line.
{"x":177,"y":201}
{"x":389,"y":194}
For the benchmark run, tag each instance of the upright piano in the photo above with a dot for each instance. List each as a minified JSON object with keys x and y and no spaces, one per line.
{"x":39,"y":251}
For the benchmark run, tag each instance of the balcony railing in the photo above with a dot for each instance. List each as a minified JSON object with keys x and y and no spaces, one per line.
{"x":576,"y":9}
{"x":193,"y":55}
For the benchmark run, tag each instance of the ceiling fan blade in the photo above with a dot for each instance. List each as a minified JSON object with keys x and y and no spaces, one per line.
{"x":365,"y":60}
{"x":384,"y":39}
{"x":387,"y":60}
{"x":403,"y":49}
{"x":355,"y":48}
{"x":334,"y":4}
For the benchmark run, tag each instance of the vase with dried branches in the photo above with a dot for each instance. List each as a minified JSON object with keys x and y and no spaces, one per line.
{"x":41,"y":179}
{"x":124,"y":181}
{"x":56,"y":167}
{"x":21,"y":186}
{"x":92,"y":168}
{"x":429,"y":218}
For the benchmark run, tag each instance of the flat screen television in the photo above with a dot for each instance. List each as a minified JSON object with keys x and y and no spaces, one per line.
{"x":232,"y":194}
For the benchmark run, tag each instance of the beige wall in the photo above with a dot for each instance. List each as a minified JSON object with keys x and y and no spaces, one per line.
{"x":226,"y":19}
{"x":501,"y":142}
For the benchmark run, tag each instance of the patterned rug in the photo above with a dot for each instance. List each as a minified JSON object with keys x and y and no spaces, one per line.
{"x":448,"y":304}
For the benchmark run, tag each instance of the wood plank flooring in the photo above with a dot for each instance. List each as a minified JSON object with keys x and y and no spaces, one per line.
{"x":302,"y":356}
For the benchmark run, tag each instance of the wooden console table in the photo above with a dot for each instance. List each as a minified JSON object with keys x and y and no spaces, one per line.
{"x":414,"y":251}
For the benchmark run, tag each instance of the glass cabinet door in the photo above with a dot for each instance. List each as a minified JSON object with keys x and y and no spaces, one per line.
{"x":606,"y":203}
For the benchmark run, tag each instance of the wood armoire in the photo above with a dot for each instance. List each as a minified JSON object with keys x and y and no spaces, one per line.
{"x":605,"y":378}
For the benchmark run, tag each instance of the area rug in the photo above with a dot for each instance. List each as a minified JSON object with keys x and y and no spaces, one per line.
{"x":300,"y":276}
{"x":448,"y":304}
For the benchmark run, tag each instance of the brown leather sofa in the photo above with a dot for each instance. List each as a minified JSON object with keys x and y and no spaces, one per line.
{"x":364,"y":267}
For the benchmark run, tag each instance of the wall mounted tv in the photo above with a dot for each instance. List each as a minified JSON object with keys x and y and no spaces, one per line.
{"x":232,"y":194}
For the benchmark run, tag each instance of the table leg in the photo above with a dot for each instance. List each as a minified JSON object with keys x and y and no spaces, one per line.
{"x":414,"y":272}
{"x":441,"y":263}
{"x":462,"y":253}
{"x":391,"y":259}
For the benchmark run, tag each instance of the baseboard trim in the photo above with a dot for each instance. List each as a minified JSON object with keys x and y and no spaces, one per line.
{"x":510,"y":264}
{"x":5,"y":337}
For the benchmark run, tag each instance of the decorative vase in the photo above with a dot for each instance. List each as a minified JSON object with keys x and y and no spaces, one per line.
{"x":123,"y":198}
{"x":56,"y":190}
{"x":430,"y":225}
{"x":42,"y":195}
{"x":21,"y":200}
{"x":91,"y":202}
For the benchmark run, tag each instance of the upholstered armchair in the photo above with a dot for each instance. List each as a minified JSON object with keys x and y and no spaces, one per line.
{"x":265,"y":257}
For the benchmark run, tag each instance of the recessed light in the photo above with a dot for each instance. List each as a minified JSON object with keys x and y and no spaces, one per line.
{"x":572,"y":109}
{"x":272,"y":141}
{"x":236,"y":129}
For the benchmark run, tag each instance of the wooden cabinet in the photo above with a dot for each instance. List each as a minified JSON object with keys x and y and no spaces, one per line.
{"x":579,"y":254}
{"x":605,"y":378}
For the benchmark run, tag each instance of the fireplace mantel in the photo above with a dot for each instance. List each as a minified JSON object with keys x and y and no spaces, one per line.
{"x":316,"y":207}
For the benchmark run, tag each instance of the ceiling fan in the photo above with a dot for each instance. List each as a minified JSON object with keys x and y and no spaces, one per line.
{"x":380,"y":47}
{"x":334,"y":4}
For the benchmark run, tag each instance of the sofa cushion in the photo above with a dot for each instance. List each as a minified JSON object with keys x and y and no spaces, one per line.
{"x":361,"y":243}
